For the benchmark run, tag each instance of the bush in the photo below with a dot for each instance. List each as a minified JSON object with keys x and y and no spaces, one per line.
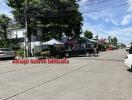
{"x":101,"y":47}
{"x":20,"y":53}
{"x":5,"y":44}
{"x":45,"y":54}
{"x":2,"y":42}
{"x":37,"y":54}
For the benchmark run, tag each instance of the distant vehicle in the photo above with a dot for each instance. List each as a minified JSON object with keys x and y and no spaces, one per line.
{"x":128,"y":61}
{"x":7,"y":53}
{"x":128,"y":47}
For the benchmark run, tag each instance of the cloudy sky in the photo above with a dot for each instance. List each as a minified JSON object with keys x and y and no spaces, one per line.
{"x":108,"y":18}
{"x":102,"y":17}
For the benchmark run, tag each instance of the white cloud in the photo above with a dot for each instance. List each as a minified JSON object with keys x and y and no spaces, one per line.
{"x":82,"y":2}
{"x":114,"y":18}
{"x":95,"y":29}
{"x":105,"y":16}
{"x":4,"y":9}
{"x":127,"y":19}
{"x":124,"y":35}
{"x":127,"y":30}
{"x":130,"y":5}
{"x":107,"y":20}
{"x":110,"y":20}
{"x":114,"y":22}
{"x":92,"y":16}
{"x":122,"y":32}
{"x":128,"y":34}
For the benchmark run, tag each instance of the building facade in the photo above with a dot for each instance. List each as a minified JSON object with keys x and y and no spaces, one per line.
{"x":18,"y":35}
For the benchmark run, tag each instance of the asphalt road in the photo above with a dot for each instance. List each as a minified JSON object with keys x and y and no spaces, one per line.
{"x":85,"y":78}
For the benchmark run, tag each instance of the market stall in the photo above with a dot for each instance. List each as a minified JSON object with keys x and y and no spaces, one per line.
{"x":56,"y":47}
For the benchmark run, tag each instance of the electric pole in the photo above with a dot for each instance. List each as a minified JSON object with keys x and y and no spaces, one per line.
{"x":26,"y":32}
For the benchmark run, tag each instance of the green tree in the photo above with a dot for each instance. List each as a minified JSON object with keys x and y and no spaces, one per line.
{"x":114,"y":41}
{"x":52,"y":16}
{"x":88,"y":34}
{"x":109,"y":39}
{"x":4,"y":24}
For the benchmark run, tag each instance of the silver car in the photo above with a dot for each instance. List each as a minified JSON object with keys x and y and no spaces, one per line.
{"x":7,"y":53}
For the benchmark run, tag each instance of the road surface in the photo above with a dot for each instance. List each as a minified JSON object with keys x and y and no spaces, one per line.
{"x":85,"y":78}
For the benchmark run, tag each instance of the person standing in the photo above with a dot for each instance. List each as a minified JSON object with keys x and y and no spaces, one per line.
{"x":94,"y":51}
{"x":97,"y":51}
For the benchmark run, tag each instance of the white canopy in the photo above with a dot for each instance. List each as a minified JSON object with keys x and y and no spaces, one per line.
{"x":52,"y":42}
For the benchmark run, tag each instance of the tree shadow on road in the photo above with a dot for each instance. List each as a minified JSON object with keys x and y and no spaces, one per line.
{"x":100,"y":59}
{"x":110,"y":59}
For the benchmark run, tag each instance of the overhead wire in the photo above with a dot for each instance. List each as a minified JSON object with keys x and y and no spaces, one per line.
{"x":93,"y":3}
{"x":102,"y":7}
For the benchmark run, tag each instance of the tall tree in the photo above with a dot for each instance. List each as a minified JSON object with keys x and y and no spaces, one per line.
{"x":114,"y":41}
{"x":109,"y":39}
{"x":53,"y":16}
{"x":88,"y":34}
{"x":4,"y":24}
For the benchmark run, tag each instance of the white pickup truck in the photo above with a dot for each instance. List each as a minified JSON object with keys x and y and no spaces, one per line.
{"x":128,"y":61}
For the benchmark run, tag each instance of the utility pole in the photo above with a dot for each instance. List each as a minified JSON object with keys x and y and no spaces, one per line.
{"x":26,"y":31}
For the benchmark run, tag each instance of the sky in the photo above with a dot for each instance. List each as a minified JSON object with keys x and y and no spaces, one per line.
{"x":5,"y":9}
{"x":102,"y":17}
{"x":108,"y":18}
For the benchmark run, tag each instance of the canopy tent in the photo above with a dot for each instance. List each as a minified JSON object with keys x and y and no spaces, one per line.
{"x":52,"y":42}
{"x":93,"y":41}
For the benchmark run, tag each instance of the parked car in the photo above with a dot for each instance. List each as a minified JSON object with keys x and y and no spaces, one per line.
{"x":128,"y":61}
{"x":7,"y":53}
{"x":77,"y":51}
{"x":91,"y":51}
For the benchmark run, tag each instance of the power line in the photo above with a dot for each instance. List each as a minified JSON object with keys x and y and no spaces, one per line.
{"x":99,"y":5}
{"x":94,"y":3}
{"x":99,"y":10}
{"x":105,"y":6}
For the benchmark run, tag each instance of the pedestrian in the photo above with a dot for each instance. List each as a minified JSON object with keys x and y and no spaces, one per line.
{"x":33,"y":52}
{"x":130,"y":50}
{"x":97,"y":51}
{"x":94,"y":51}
